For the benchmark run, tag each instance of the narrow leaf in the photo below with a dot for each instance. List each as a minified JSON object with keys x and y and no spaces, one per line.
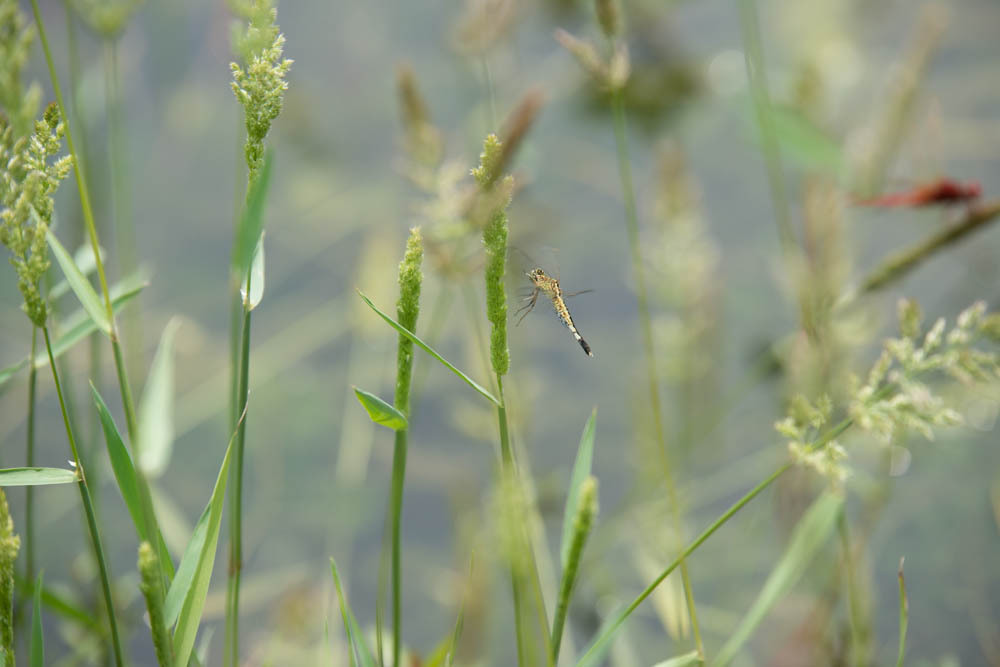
{"x":37,"y":476}
{"x":195,"y":590}
{"x":84,"y":259}
{"x":354,"y":637}
{"x":80,"y":285}
{"x":256,"y":277}
{"x":681,"y":660}
{"x":427,"y":348}
{"x":449,"y":658}
{"x":121,"y":465}
{"x":78,"y":326}
{"x":380,"y":411}
{"x":610,"y":627}
{"x":252,"y":219}
{"x":37,"y":650}
{"x":156,"y":408}
{"x":581,"y":470}
{"x":810,"y":534}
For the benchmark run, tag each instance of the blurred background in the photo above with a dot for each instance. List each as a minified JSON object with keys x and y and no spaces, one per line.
{"x":868,"y":97}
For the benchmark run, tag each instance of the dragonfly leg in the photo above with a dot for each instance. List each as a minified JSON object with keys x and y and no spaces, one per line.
{"x":526,"y":308}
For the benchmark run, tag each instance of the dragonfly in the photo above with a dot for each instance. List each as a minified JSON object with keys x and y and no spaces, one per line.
{"x":943,"y":191}
{"x":549,"y":286}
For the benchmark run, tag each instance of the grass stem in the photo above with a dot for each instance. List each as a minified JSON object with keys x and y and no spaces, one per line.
{"x":29,"y":495}
{"x":88,"y":507}
{"x":632,"y":228}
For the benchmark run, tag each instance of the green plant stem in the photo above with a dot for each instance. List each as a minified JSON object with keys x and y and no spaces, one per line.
{"x":507,"y":468}
{"x":236,"y":523}
{"x":762,"y":107}
{"x":88,"y":508}
{"x":857,"y":654}
{"x":29,"y":496}
{"x":88,"y":218}
{"x":632,"y":228}
{"x":121,"y":214}
{"x":398,"y":476}
{"x":830,"y":435}
{"x":898,"y":265}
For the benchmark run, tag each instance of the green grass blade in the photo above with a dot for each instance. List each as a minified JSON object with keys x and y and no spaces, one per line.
{"x":156,"y":408}
{"x":80,"y":285}
{"x":78,"y":326}
{"x":581,"y":470}
{"x":256,"y":277}
{"x":681,"y":660}
{"x":36,"y":476}
{"x":37,"y":650}
{"x":194,"y":590}
{"x":84,"y":259}
{"x":904,"y":616}
{"x":427,"y":348}
{"x":252,"y":220}
{"x":121,"y":465}
{"x":449,"y":657}
{"x":610,"y":627}
{"x":811,"y":533}
{"x":354,"y":638}
{"x":380,"y":411}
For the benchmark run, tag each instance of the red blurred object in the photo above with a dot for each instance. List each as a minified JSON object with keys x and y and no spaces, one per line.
{"x":943,"y":191}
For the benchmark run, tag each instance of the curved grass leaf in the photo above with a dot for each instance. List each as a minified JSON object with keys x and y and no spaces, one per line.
{"x":78,"y":326}
{"x":80,"y":285}
{"x":186,"y":597}
{"x":37,"y":476}
{"x":252,"y":219}
{"x":354,"y":636}
{"x":810,"y":534}
{"x":380,"y":411}
{"x":121,"y":465}
{"x":156,"y":408}
{"x":37,"y":650}
{"x":84,"y":259}
{"x":581,"y":470}
{"x":427,"y":348}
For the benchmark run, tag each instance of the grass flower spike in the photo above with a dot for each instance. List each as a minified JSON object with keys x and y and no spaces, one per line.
{"x":495,"y":241}
{"x":407,"y":310}
{"x":260,"y":88}
{"x":28,"y":180}
{"x":15,"y":46}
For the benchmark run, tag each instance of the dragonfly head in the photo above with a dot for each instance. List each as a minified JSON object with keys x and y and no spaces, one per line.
{"x":536,"y":274}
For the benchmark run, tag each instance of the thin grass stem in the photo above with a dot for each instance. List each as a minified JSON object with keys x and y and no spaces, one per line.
{"x":29,"y":496}
{"x":236,"y":525}
{"x":398,"y":477}
{"x":632,"y":228}
{"x":88,"y":507}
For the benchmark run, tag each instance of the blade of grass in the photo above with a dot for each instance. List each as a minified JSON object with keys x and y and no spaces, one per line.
{"x":251,"y":223}
{"x":380,"y":411}
{"x":78,"y":326}
{"x":193,"y":591}
{"x":354,"y":637}
{"x":80,"y":285}
{"x":37,"y":650}
{"x":156,"y":408}
{"x":426,"y":348}
{"x":37,"y":476}
{"x":581,"y":470}
{"x":691,"y":658}
{"x":121,"y":466}
{"x":904,"y":616}
{"x":256,"y":277}
{"x":811,"y":533}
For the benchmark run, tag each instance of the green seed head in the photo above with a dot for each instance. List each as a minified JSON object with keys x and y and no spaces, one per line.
{"x":407,"y":310}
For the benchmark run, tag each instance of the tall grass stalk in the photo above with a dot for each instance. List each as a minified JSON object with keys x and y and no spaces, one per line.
{"x":88,"y":508}
{"x":236,"y":506}
{"x":128,"y":403}
{"x":29,"y":458}
{"x":407,"y":310}
{"x":645,"y":321}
